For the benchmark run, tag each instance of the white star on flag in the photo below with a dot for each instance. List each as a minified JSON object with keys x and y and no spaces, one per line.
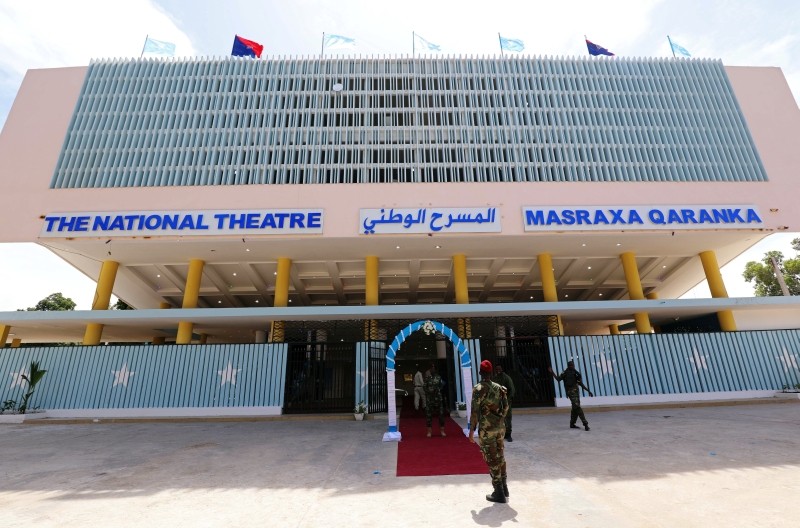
{"x":121,"y":376}
{"x":228,"y":375}
{"x":698,"y":361}
{"x":606,"y":365}
{"x":18,"y":378}
{"x":788,"y":360}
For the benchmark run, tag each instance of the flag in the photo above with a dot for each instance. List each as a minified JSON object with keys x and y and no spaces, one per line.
{"x":677,"y":49}
{"x":511,"y":44}
{"x":338,"y":41}
{"x":594,"y":49}
{"x":158,"y":48}
{"x":246,"y":48}
{"x":426,"y":45}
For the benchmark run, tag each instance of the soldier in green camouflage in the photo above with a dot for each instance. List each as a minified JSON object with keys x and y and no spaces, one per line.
{"x":433,"y":400}
{"x":489,"y":408}
{"x":572,"y":381}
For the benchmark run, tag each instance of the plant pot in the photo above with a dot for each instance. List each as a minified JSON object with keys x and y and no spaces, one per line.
{"x":788,"y":394}
{"x":358,"y":416}
{"x":462,"y":413}
{"x":15,"y":418}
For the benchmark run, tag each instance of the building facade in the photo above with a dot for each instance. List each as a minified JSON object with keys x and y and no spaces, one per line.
{"x":308,"y":199}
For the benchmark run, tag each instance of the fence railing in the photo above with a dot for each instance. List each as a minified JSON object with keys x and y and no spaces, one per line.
{"x":674,"y":364}
{"x":149,"y":376}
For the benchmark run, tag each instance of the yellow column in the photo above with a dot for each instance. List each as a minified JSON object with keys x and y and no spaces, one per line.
{"x":652,"y":295}
{"x":4,"y":330}
{"x":160,"y":340}
{"x":635,"y":291}
{"x":281,"y":296}
{"x":191,"y":294}
{"x":462,"y":293}
{"x":102,"y":297}
{"x":16,"y":342}
{"x":372,"y":280}
{"x":548,"y":277}
{"x":549,"y":290}
{"x":614,"y":329}
{"x":717,"y":287}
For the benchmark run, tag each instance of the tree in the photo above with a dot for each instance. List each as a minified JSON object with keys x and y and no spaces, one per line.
{"x":55,"y":302}
{"x":121,"y":305}
{"x":763,"y":274}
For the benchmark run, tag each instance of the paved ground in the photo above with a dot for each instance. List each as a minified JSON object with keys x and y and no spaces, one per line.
{"x":662,"y":467}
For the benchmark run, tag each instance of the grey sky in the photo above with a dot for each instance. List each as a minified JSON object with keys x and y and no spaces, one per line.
{"x":58,"y":33}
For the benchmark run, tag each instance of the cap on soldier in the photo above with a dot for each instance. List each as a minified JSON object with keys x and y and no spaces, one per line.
{"x":486,"y":366}
{"x":570,"y":362}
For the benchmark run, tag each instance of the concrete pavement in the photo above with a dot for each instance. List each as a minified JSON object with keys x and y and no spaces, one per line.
{"x":734,"y":465}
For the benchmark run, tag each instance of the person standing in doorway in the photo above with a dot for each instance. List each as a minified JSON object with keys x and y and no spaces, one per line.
{"x":505,"y":380}
{"x":572,"y":381}
{"x":489,"y":407}
{"x":419,"y":390}
{"x":433,"y":400}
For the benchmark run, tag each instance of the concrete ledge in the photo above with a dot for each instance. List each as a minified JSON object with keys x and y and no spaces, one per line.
{"x":645,"y":399}
{"x":22,"y":418}
{"x":166,"y":412}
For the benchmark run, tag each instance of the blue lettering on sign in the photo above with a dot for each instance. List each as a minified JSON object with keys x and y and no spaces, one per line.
{"x":186,"y":222}
{"x":660,"y":217}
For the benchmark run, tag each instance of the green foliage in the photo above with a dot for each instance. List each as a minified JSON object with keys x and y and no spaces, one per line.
{"x":55,"y":302}
{"x":461,"y":406}
{"x":122,"y":305}
{"x":34,"y":376}
{"x":360,"y":408}
{"x":762,"y":273}
{"x":8,"y":405}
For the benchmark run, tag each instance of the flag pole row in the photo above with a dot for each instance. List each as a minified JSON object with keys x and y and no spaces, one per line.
{"x":243,"y":47}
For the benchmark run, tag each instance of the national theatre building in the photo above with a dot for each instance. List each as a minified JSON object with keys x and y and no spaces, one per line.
{"x":285,"y":228}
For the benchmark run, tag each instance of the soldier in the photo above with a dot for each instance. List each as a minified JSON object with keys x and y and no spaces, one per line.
{"x":489,"y":407}
{"x":505,"y":380}
{"x":572,"y":380}
{"x":419,"y":389}
{"x":433,"y":400}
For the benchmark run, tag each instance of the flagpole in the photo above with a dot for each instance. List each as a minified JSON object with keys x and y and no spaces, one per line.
{"x":322,"y":51}
{"x":670,"y":46}
{"x":500,"y":40}
{"x":145,"y":45}
{"x":413,"y":44}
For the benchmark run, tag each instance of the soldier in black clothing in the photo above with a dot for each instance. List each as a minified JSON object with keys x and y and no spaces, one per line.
{"x":572,"y":380}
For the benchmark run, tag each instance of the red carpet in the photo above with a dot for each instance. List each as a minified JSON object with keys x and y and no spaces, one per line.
{"x":420,"y":456}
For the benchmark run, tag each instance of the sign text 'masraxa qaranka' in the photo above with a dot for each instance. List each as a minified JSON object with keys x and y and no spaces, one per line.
{"x":184,"y":223}
{"x":641,"y":217}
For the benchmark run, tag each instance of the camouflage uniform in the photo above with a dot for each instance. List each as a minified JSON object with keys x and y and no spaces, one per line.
{"x":506,"y":381}
{"x":572,"y":382}
{"x":489,"y":408}
{"x":433,"y":399}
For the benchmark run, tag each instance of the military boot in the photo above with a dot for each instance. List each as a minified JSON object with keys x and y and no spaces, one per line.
{"x":497,"y":494}
{"x":505,"y":485}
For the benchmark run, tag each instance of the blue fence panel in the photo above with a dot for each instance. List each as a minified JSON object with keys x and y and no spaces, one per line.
{"x":622,"y":365}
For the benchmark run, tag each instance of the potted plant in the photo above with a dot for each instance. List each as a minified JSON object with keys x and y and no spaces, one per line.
{"x":461,"y":407}
{"x":789,"y":391}
{"x":359,"y":410}
{"x":14,"y":413}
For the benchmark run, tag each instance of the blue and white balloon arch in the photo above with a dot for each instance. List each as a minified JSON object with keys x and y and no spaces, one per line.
{"x":429,"y":327}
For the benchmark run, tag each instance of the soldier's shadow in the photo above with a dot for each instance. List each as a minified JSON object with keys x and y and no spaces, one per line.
{"x":494,"y":515}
